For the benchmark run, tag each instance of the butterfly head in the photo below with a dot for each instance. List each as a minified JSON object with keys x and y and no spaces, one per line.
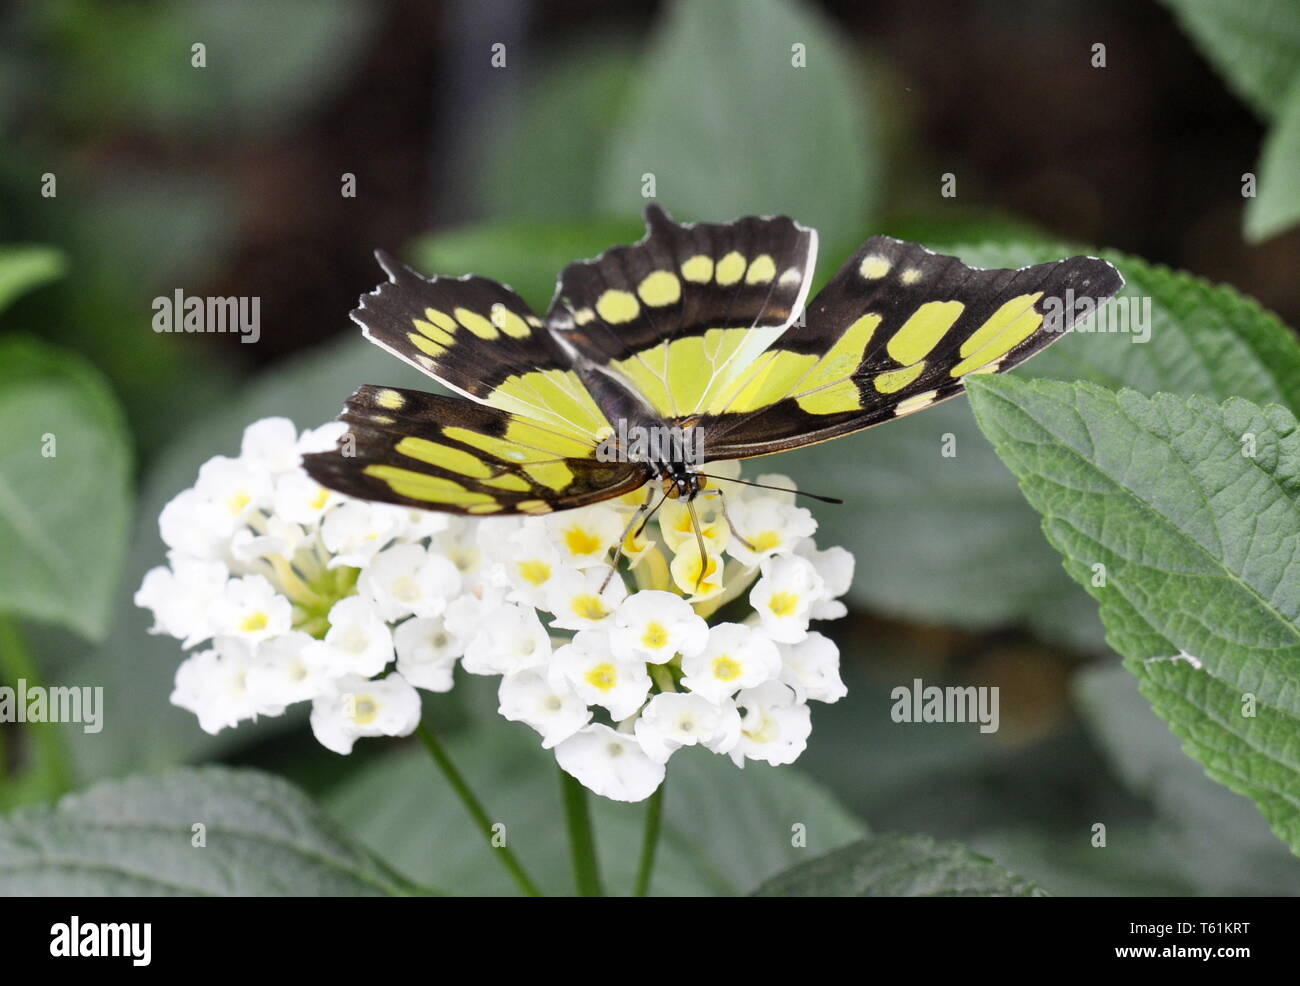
{"x":680,"y":481}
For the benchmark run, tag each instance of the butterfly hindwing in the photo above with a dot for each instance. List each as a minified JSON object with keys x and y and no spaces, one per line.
{"x":423,"y":450}
{"x":898,"y":329}
{"x":680,"y":314}
{"x":479,"y":338}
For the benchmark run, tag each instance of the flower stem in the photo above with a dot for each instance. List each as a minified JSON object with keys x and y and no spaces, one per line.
{"x":50,"y":766}
{"x":654,"y":811}
{"x":582,"y":841}
{"x":472,"y":804}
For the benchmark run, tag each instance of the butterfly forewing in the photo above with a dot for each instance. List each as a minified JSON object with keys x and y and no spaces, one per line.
{"x":422,"y":450}
{"x":897,"y":329}
{"x":479,"y":338}
{"x":681,"y":314}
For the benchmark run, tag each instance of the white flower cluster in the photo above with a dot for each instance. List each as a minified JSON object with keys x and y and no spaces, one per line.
{"x":307,"y":595}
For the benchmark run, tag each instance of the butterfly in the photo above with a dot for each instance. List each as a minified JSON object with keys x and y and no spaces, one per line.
{"x":695,"y":344}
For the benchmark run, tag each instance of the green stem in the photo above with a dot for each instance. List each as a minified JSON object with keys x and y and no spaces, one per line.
{"x":476,"y":810}
{"x":582,"y":841}
{"x":650,"y":841}
{"x":50,"y":756}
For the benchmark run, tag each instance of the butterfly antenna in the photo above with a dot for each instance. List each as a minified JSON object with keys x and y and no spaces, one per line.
{"x":779,"y":489}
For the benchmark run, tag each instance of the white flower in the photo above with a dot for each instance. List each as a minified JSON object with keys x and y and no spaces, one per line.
{"x":509,"y":639}
{"x":770,"y":527}
{"x":676,"y":719}
{"x":213,"y":684}
{"x":589,"y":667}
{"x":194,"y":526}
{"x":467,"y":613}
{"x":281,"y":674}
{"x":181,"y":598}
{"x":301,"y":500}
{"x":775,"y":727}
{"x":249,"y":608}
{"x":812,"y":668}
{"x":234,"y":486}
{"x":406,"y":580}
{"x":835,"y":567}
{"x":576,"y":599}
{"x":354,"y":531}
{"x":556,"y":713}
{"x":355,"y":706}
{"x":735,"y":657}
{"x":586,"y":537}
{"x":784,"y":597}
{"x":678,"y":528}
{"x":611,"y":764}
{"x":322,"y":439}
{"x":270,"y":445}
{"x":685,"y":570}
{"x":655,"y":626}
{"x":358,"y":642}
{"x":426,"y":653}
{"x":527,"y":559}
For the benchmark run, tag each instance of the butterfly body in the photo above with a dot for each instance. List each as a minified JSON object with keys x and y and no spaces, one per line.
{"x":700,"y":333}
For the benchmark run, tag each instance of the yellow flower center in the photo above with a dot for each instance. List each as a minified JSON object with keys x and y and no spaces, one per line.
{"x":726,"y":669}
{"x":256,"y":621}
{"x":581,"y":541}
{"x":535,"y":572}
{"x":589,"y":607}
{"x":766,"y":541}
{"x":318,"y":502}
{"x":364,"y":710}
{"x":238,"y":502}
{"x":603,"y":676}
{"x":783,"y":603}
{"x":655,"y":636}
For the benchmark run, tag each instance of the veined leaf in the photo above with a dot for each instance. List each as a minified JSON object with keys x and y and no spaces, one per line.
{"x":899,"y":866}
{"x":1190,"y":510}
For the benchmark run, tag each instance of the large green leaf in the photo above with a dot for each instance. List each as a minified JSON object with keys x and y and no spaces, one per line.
{"x":899,"y":866}
{"x":728,"y":125}
{"x":724,"y":830}
{"x":64,"y":488}
{"x":1255,"y":45}
{"x":932,"y":534}
{"x":1191,"y":507}
{"x":23,"y":268}
{"x":210,"y":832}
{"x":1277,"y":202}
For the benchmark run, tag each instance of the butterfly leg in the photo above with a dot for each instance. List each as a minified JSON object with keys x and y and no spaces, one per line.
{"x":642,"y":511}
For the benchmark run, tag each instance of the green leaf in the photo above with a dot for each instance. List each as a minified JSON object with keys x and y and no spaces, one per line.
{"x":899,"y":866}
{"x":545,"y":165}
{"x":729,"y":126}
{"x":527,"y":256}
{"x":945,"y":529}
{"x":1191,"y":507}
{"x":25,"y":268}
{"x":1255,"y":46}
{"x":724,"y":830}
{"x":1277,"y":202}
{"x":1216,"y":840}
{"x":209,"y":832}
{"x":64,"y":488}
